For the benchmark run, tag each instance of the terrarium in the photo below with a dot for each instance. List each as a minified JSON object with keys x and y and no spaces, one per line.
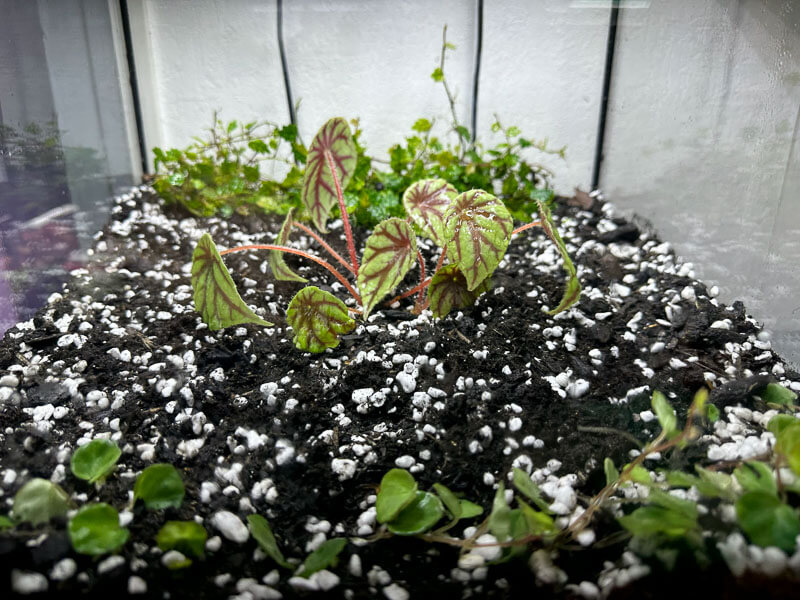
{"x":394,"y":300}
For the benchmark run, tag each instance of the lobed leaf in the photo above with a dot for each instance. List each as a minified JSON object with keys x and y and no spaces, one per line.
{"x":477,"y":232}
{"x":327,"y":555}
{"x":280,"y":270}
{"x":261,"y":531}
{"x":573,"y":289}
{"x":755,"y":476}
{"x":651,"y":520}
{"x":319,"y":191}
{"x":767,"y":521}
{"x":426,"y":201}
{"x":389,"y":254}
{"x":215,"y":295}
{"x":397,"y":490}
{"x":449,"y":290}
{"x":159,"y":486}
{"x":95,"y":530}
{"x":418,"y":517}
{"x":318,"y":318}
{"x":38,"y":501}
{"x":94,"y":461}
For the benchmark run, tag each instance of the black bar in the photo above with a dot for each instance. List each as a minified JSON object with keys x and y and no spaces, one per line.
{"x":137,"y":107}
{"x":601,"y":127}
{"x":476,"y":77}
{"x":284,"y":65}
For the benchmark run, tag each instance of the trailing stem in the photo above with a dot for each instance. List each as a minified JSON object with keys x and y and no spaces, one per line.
{"x":325,"y":245}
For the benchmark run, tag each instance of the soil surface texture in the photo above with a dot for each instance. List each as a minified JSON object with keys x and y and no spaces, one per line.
{"x":256,"y":426}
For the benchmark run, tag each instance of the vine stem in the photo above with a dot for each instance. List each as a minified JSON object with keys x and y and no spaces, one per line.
{"x":528,"y":226}
{"x":311,"y":257}
{"x":325,"y":245}
{"x":343,"y":209}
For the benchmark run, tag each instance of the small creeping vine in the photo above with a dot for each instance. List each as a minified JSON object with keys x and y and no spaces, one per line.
{"x":472,"y":230}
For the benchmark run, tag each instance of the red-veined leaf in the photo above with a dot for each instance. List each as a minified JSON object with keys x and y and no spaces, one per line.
{"x":215,"y":295}
{"x":425,"y":202}
{"x":573,"y":289}
{"x":389,"y":254}
{"x":319,"y":190}
{"x":318,"y":318}
{"x":448,"y":290}
{"x":278,"y":265}
{"x":477,"y":231}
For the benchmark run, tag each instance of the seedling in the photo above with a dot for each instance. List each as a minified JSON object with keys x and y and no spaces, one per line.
{"x":187,"y":537}
{"x":95,"y":530}
{"x":262,"y":533}
{"x":38,"y":501}
{"x":327,"y":555}
{"x":472,"y":230}
{"x":94,"y":461}
{"x":159,"y":486}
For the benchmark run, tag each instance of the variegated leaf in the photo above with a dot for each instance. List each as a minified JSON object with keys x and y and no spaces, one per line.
{"x":215,"y":295}
{"x":477,"y":231}
{"x":318,"y":318}
{"x":425,"y":202}
{"x":319,"y":190}
{"x":573,"y":290}
{"x":448,"y":290}
{"x":389,"y":254}
{"x":277,"y":263}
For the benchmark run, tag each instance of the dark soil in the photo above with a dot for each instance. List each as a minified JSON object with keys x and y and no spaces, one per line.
{"x":139,"y":272}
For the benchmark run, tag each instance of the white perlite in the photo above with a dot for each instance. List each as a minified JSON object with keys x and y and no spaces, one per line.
{"x":344,"y":468}
{"x":395,"y":592}
{"x":28,"y":582}
{"x":230,"y":526}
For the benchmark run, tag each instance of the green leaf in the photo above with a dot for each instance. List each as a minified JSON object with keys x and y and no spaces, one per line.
{"x":421,"y":125}
{"x":261,"y":531}
{"x":187,"y":537}
{"x":6,"y":523}
{"x":687,"y":508}
{"x":665,"y":413}
{"x":94,"y":461}
{"x":38,"y":501}
{"x":524,"y":483}
{"x":788,"y":444}
{"x":452,"y":503}
{"x":780,"y":422}
{"x":389,"y":254}
{"x":215,"y":295}
{"x":777,"y":394}
{"x":231,"y":126}
{"x":426,"y":201}
{"x":715,"y":484}
{"x":327,"y":555}
{"x":462,"y":132}
{"x":159,"y":486}
{"x":280,"y":270}
{"x":647,"y":521}
{"x":318,"y":318}
{"x":397,"y":490}
{"x":469,"y":509}
{"x":258,"y":146}
{"x":500,"y":518}
{"x":767,"y":521}
{"x":612,"y":475}
{"x":418,"y":517}
{"x":755,"y":476}
{"x":573,"y":290}
{"x":712,"y":412}
{"x":640,"y":475}
{"x":477,"y":231}
{"x":95,"y":530}
{"x":437,"y":75}
{"x":539,"y":523}
{"x":448,"y":290}
{"x":333,"y":141}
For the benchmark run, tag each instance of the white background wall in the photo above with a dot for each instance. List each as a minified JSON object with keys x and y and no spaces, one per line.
{"x":702,"y":128}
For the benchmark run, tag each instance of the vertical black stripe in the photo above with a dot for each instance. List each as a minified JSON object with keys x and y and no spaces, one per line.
{"x":476,"y":76}
{"x":137,"y":107}
{"x":284,"y":65}
{"x":601,"y":126}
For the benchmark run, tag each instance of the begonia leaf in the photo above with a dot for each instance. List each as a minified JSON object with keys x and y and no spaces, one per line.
{"x":318,"y":318}
{"x":425,"y":202}
{"x":449,"y":290}
{"x":280,"y":270}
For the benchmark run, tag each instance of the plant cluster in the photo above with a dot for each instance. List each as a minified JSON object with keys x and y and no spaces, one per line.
{"x":221,"y":174}
{"x":472,"y":230}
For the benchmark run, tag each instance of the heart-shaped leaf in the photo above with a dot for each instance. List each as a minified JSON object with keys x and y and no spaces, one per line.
{"x":159,"y":486}
{"x":573,"y":289}
{"x":425,"y":202}
{"x":94,"y":461}
{"x":38,"y":501}
{"x":418,"y":517}
{"x":448,"y":290}
{"x":280,"y":270}
{"x":397,"y":490}
{"x":389,"y":254}
{"x":95,"y":530}
{"x":215,"y":295}
{"x":318,"y":318}
{"x":332,"y":141}
{"x":767,"y":521}
{"x":477,"y":231}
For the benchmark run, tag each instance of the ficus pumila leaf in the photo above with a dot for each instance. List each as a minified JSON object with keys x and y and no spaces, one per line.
{"x":477,"y":231}
{"x":425,"y":202}
{"x":573,"y":289}
{"x":215,"y":295}
{"x":319,"y":190}
{"x":389,"y":254}
{"x":448,"y":290}
{"x":280,"y":270}
{"x":397,"y":490}
{"x":318,"y":318}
